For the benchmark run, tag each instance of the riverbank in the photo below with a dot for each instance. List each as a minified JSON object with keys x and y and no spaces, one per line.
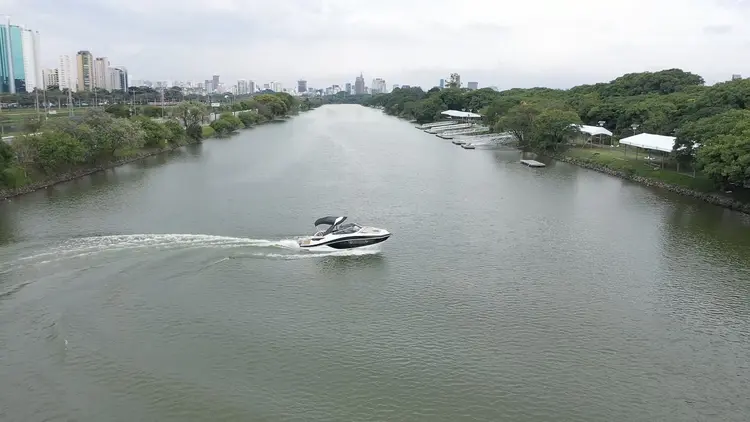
{"x":672,"y":181}
{"x":77,"y":174}
{"x":208,"y":133}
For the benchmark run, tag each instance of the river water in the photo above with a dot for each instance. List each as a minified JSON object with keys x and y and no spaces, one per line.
{"x":171,"y":289}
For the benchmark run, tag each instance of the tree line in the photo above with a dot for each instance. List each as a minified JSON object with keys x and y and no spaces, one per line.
{"x":139,"y":95}
{"x":670,"y":102}
{"x":99,"y":137}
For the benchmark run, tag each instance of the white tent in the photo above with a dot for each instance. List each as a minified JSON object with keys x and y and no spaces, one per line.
{"x":593,"y":130}
{"x":456,"y":113}
{"x":650,"y":141}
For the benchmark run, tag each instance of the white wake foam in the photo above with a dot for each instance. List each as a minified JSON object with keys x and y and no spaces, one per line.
{"x":86,"y":246}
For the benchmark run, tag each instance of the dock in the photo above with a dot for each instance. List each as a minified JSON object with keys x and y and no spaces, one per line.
{"x":533,"y":163}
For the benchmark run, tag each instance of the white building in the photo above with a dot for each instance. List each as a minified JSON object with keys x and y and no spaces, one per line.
{"x":378,"y":86}
{"x":113,"y":79}
{"x":50,"y":77}
{"x":31,"y":61}
{"x":65,"y":75}
{"x":243,"y":87}
{"x":101,"y":73}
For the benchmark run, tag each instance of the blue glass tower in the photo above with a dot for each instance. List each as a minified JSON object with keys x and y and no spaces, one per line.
{"x":12,"y":74}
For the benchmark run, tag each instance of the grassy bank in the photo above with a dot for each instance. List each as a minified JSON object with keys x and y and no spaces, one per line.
{"x":616,"y":159}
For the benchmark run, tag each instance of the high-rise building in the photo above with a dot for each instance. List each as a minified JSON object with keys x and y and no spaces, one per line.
{"x":101,"y":73}
{"x":378,"y":86}
{"x":250,"y":87}
{"x":472,"y":85}
{"x":123,"y":75}
{"x":12,"y":74}
{"x":50,"y":77}
{"x":215,"y":83}
{"x":31,"y":62}
{"x":301,"y":86}
{"x":442,"y":83}
{"x":113,"y":79}
{"x":243,"y":87}
{"x":736,"y":77}
{"x":65,"y":75}
{"x":85,"y":70}
{"x":359,"y":85}
{"x":208,"y":85}
{"x":348,"y":88}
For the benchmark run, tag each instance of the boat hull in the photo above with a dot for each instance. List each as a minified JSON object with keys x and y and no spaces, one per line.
{"x":349,"y":242}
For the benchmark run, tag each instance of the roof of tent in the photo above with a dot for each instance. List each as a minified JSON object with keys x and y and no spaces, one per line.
{"x":593,"y":130}
{"x":650,"y":141}
{"x":456,"y":113}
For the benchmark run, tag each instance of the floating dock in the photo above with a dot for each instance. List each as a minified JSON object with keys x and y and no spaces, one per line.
{"x":533,"y":163}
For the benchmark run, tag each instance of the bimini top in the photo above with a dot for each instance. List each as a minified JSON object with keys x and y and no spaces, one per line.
{"x":330,"y":220}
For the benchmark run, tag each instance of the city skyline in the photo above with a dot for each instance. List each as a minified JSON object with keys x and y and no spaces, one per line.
{"x":592,"y":42}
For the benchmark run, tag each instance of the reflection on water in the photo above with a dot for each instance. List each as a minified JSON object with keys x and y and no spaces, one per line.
{"x":7,"y":227}
{"x":339,"y":264}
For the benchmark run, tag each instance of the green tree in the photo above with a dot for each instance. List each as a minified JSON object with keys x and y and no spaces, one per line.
{"x":276,"y":106}
{"x":177,"y":132}
{"x":190,"y":113}
{"x":249,"y":118}
{"x":726,"y":159}
{"x":58,"y":152}
{"x":156,"y":135}
{"x":518,"y":120}
{"x":554,"y":127}
{"x":454,"y":81}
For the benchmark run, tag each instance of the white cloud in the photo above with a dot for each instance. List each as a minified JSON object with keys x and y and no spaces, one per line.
{"x":519,"y":43}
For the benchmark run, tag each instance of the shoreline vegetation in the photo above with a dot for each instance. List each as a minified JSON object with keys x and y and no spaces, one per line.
{"x":63,"y":149}
{"x":710,"y":159}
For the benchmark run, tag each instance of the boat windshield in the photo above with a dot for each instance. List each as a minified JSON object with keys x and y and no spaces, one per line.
{"x":347,"y":228}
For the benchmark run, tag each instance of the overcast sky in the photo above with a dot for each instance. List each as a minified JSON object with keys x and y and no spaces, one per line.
{"x":556,"y":43}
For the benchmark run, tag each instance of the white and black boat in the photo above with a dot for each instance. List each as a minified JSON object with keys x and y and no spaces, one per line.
{"x":343,"y":236}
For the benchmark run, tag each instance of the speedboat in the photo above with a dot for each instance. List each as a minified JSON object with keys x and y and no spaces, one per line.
{"x":343,"y":236}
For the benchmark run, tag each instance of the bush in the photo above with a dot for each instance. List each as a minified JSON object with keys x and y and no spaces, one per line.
{"x":177,"y":133}
{"x":249,"y":118}
{"x":207,"y":132}
{"x":195,"y":132}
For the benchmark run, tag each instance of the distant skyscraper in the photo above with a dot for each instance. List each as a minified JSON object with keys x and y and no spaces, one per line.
{"x":472,"y":85}
{"x":113,"y":79}
{"x":442,"y":83}
{"x":31,"y":61}
{"x":101,"y":73}
{"x":65,"y":74}
{"x":349,"y":88}
{"x":123,"y":75}
{"x":251,"y":87}
{"x":12,"y":74}
{"x":378,"y":86}
{"x":85,"y":70}
{"x":359,"y":85}
{"x":215,"y":83}
{"x":736,"y":77}
{"x":243,"y":88}
{"x":301,"y":86}
{"x":208,"y":86}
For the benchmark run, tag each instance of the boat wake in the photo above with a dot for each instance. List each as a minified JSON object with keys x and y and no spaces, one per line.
{"x":97,"y":245}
